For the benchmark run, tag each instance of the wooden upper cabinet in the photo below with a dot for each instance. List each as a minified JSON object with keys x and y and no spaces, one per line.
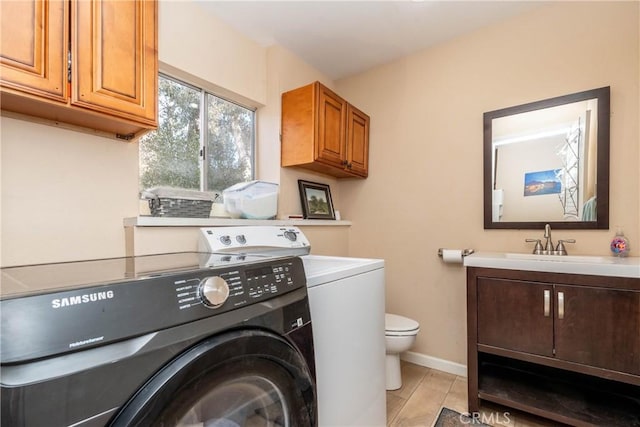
{"x":323,"y":132}
{"x":33,"y":48}
{"x":114,"y":58}
{"x":357,"y":141}
{"x":112,"y":49}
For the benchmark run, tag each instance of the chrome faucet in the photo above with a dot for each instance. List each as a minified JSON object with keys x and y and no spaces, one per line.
{"x":548,"y":248}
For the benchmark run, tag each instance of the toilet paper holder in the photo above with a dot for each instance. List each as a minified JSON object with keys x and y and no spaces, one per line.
{"x":465,"y":252}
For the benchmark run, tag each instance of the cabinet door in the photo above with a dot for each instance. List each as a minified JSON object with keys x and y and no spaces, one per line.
{"x":593,"y":327}
{"x":332,"y":110}
{"x":114,"y":58}
{"x":357,"y":141}
{"x":515,"y":315}
{"x":33,"y":58}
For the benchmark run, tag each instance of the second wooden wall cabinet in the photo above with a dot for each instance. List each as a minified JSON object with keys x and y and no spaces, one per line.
{"x":87,"y":63}
{"x":323,"y":132}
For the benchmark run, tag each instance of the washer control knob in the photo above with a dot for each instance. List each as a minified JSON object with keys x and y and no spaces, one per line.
{"x":213,"y":291}
{"x":225,"y":240}
{"x":291,"y":235}
{"x":240,"y":238}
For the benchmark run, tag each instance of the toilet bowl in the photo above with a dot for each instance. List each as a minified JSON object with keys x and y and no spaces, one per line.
{"x":400,"y":334}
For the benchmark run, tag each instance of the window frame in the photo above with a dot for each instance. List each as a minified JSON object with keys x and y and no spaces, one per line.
{"x":204,"y":133}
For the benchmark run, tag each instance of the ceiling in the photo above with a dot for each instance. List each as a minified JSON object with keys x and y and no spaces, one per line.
{"x":343,"y":38}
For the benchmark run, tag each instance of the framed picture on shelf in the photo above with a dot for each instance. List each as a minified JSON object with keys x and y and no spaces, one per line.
{"x":316,"y":200}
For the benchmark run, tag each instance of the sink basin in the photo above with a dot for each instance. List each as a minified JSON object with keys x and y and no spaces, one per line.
{"x":570,"y":264}
{"x":563,"y":258}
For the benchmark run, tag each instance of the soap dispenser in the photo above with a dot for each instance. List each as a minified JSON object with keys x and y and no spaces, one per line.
{"x":619,"y":244}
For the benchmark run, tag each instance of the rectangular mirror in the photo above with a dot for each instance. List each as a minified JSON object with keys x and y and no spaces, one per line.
{"x":547,"y":162}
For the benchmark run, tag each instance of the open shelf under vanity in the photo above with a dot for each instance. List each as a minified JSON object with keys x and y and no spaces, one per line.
{"x":564,"y":396}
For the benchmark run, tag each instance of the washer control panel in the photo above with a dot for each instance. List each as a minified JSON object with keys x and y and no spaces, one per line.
{"x":253,"y":239}
{"x":135,"y":306}
{"x":235,"y":287}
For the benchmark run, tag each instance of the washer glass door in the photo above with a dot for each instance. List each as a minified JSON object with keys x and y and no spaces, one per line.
{"x":240,"y":378}
{"x":245,"y":401}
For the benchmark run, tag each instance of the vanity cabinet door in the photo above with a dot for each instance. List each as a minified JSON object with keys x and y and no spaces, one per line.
{"x":592,"y":327}
{"x":515,"y":315}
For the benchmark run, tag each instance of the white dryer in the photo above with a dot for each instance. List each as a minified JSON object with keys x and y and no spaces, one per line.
{"x":346,"y":296}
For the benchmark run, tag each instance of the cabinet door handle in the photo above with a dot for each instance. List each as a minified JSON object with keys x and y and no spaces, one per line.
{"x":547,"y":303}
{"x":560,"y":305}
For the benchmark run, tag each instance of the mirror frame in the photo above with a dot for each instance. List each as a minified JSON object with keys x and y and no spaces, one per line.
{"x":602,"y":163}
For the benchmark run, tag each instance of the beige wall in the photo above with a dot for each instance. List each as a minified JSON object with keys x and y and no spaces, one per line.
{"x":424,"y":190}
{"x":64,"y":193}
{"x":194,"y":41}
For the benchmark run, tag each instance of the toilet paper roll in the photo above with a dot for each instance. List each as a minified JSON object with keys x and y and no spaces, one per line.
{"x":453,"y":256}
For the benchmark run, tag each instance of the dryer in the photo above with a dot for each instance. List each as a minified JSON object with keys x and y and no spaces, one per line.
{"x":347,"y":297}
{"x":176,"y":339}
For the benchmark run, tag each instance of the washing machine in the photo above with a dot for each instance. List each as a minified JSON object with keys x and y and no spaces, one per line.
{"x":347,"y":308}
{"x":184,"y":339}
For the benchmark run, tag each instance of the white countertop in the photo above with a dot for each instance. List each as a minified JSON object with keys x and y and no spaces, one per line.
{"x":573,"y":264}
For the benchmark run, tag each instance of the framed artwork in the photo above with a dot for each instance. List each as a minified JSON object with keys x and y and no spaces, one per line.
{"x":316,"y":200}
{"x":542,"y":182}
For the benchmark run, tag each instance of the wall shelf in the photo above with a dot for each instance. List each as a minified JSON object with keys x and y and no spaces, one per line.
{"x":154,"y":221}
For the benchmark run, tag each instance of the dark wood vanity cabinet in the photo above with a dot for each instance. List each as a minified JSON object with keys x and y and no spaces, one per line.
{"x":563,"y":346}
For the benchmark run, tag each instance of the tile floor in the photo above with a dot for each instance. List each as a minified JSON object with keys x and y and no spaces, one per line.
{"x":424,"y":391}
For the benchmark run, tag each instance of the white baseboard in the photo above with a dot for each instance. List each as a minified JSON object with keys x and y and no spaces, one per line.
{"x":435,"y":363}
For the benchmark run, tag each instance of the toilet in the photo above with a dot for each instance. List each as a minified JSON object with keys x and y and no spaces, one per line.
{"x":400,"y":334}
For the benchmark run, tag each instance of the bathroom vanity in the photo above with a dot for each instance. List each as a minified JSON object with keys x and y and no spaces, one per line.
{"x":555,"y":336}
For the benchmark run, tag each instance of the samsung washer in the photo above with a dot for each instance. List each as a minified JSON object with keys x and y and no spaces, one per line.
{"x":176,"y":339}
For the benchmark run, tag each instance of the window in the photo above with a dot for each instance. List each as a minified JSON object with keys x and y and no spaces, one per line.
{"x":180,"y":154}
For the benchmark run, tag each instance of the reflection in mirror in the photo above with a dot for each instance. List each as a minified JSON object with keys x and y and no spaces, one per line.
{"x":548,"y":162}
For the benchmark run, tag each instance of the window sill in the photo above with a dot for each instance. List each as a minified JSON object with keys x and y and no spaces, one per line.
{"x":153,"y":221}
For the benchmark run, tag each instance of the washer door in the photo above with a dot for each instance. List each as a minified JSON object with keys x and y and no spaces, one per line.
{"x":242,"y":378}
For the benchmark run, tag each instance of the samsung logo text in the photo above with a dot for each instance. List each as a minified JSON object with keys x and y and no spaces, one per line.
{"x":81,"y":299}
